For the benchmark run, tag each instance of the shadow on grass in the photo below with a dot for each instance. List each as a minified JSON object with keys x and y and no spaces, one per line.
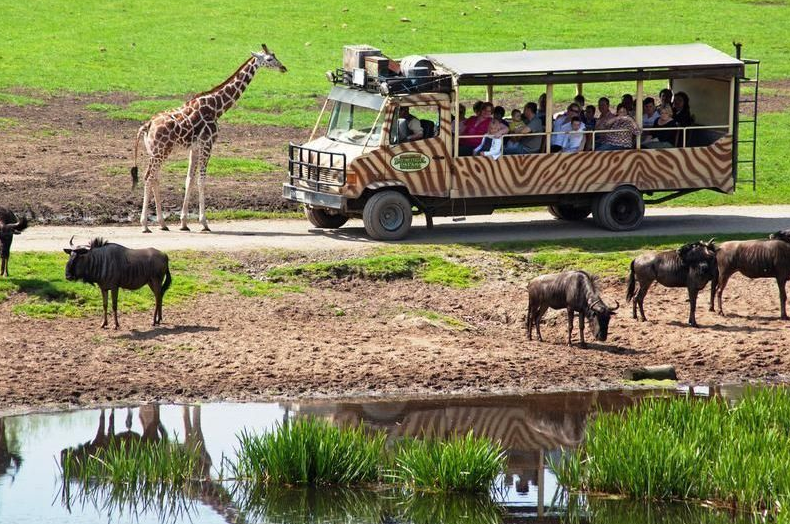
{"x":43,"y":289}
{"x":158,"y":331}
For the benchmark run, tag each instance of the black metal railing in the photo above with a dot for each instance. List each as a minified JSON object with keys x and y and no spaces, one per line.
{"x":316,"y":168}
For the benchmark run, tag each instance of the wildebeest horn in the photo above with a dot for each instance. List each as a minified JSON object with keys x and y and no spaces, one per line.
{"x":71,"y":241}
{"x":709,"y":242}
{"x":616,"y":307}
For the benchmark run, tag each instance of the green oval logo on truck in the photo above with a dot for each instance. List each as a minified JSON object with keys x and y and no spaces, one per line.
{"x":410,"y":161}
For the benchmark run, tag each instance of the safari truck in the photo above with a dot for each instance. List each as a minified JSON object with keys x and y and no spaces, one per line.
{"x":368,"y":163}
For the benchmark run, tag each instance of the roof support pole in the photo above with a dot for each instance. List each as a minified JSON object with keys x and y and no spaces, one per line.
{"x":640,"y":94}
{"x":549,"y":112}
{"x":489,"y":93}
{"x":733,"y":104}
{"x":579,"y":90}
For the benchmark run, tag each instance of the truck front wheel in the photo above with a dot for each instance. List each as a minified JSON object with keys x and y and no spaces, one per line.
{"x":323,"y":219}
{"x":387,"y":216}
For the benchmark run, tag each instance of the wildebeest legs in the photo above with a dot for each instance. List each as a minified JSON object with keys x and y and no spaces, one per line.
{"x":723,"y":278}
{"x":639,"y":300}
{"x":570,"y":326}
{"x":115,"y":306}
{"x":4,"y":267}
{"x":156,"y":288}
{"x":782,"y":298}
{"x":692,"y":306}
{"x":104,"y":303}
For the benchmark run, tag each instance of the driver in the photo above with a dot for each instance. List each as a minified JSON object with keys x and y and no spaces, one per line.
{"x":409,"y":127}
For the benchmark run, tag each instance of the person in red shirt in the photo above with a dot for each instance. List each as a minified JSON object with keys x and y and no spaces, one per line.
{"x":474,"y":128}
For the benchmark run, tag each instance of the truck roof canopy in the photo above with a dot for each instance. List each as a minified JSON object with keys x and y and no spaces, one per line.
{"x":596,"y":64}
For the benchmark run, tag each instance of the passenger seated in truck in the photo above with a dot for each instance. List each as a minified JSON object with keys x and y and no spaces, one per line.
{"x":563,"y":125}
{"x":624,"y":139}
{"x":531,"y":143}
{"x":665,"y":131}
{"x":476,"y":124}
{"x":573,"y":140}
{"x":409,"y":127}
{"x":680,"y":105}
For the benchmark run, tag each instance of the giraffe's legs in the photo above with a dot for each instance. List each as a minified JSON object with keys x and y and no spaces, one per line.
{"x":194,"y":159}
{"x":158,"y":205}
{"x":151,"y":174}
{"x":205,"y":154}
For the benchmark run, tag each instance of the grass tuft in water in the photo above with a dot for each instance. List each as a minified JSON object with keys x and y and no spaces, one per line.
{"x":460,"y":463}
{"x":690,"y":449}
{"x":134,"y":463}
{"x":311,"y":451}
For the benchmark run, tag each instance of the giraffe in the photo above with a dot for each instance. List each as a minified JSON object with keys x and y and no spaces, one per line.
{"x":194,"y":127}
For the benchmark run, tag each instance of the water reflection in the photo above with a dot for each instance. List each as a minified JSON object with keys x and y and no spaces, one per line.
{"x":532,"y":428}
{"x":10,"y":460}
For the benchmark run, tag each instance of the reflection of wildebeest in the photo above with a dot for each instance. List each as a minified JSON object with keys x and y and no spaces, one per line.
{"x":756,"y":259}
{"x":10,"y":225}
{"x":691,"y":266}
{"x":576,"y":292}
{"x":8,"y":458}
{"x":113,"y":266}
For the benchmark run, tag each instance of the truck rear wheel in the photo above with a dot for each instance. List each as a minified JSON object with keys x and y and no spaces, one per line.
{"x":323,"y":219}
{"x":567,"y":212}
{"x":387,"y":216}
{"x":621,"y":210}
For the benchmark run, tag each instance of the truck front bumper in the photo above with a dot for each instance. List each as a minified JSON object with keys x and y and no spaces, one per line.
{"x":313,"y":198}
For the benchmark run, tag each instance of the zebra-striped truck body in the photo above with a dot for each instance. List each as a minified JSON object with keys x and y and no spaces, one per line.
{"x":338,"y":175}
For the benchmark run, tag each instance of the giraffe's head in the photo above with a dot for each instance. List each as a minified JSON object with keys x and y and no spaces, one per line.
{"x":267,"y":59}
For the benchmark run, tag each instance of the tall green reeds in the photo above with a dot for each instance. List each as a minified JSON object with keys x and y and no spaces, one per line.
{"x":311,"y":451}
{"x":460,"y":463}
{"x":134,"y":462}
{"x":686,"y":448}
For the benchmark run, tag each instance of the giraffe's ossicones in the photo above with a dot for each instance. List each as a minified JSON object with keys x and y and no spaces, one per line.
{"x":192,"y":126}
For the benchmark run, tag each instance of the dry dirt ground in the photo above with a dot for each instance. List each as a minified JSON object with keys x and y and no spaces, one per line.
{"x":64,"y":149}
{"x":355,"y":337}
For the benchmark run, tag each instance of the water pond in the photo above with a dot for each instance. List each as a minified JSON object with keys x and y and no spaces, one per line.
{"x":532,"y":428}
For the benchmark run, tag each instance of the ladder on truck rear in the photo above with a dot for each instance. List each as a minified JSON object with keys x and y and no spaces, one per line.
{"x":745,"y":133}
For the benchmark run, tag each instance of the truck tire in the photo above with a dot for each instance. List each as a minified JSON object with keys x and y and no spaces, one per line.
{"x":621,"y":210}
{"x":566,"y":212}
{"x":323,"y":219}
{"x":387,"y":216}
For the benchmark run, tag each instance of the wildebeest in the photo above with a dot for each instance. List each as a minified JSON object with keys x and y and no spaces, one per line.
{"x":691,"y":266}
{"x":575,"y":291}
{"x":756,"y":259}
{"x":10,"y":225}
{"x":113,"y":266}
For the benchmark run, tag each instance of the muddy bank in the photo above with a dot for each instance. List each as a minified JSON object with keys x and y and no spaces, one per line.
{"x":354,"y":337}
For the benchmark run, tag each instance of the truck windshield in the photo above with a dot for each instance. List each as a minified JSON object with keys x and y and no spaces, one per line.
{"x":351,"y":124}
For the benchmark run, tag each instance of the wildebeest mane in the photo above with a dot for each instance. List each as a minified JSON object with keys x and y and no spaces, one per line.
{"x":781,"y":235}
{"x":98,"y":242}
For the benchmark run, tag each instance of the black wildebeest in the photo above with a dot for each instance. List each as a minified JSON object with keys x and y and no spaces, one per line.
{"x":691,"y":266}
{"x":575,"y":291}
{"x":113,"y":266}
{"x":755,"y":259}
{"x":10,"y":225}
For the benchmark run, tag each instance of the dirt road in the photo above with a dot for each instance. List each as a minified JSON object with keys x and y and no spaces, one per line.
{"x":299,"y":234}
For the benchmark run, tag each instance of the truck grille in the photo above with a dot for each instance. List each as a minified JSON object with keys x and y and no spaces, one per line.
{"x":316,"y":168}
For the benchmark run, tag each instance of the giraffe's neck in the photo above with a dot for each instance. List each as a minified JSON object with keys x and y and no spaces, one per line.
{"x":228,"y":92}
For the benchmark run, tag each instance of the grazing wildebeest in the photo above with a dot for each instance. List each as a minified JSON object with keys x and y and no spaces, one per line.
{"x":113,"y":266}
{"x":576,"y":291}
{"x":10,"y":225}
{"x":755,"y":259}
{"x":691,"y":266}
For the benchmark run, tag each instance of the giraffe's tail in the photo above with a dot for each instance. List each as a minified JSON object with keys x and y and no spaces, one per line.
{"x":143,"y":129}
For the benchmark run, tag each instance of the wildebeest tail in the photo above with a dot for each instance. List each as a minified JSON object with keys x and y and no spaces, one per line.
{"x":631,"y":283}
{"x":143,"y":129}
{"x":168,"y":280}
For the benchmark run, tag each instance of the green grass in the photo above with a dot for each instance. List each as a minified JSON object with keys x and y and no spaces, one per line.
{"x":8,"y":123}
{"x":439,"y":319}
{"x":7,"y":99}
{"x":406,"y":265}
{"x":40,"y":279}
{"x":684,"y":448}
{"x":102,"y":47}
{"x":460,"y":463}
{"x":224,"y":167}
{"x":310,"y":451}
{"x":602,"y":256}
{"x":134,"y":462}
